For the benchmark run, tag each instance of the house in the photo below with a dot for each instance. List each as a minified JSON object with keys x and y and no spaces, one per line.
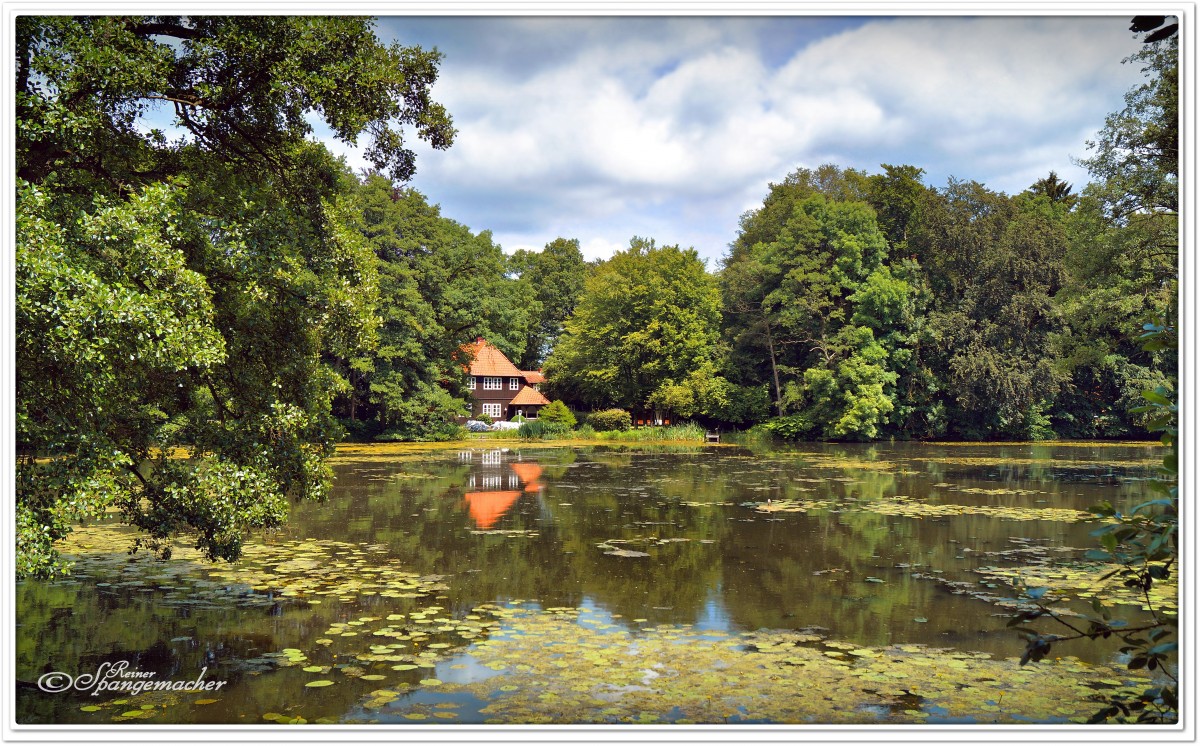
{"x":498,"y":388}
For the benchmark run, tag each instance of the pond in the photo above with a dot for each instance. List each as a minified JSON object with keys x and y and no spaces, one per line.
{"x":606,"y":584}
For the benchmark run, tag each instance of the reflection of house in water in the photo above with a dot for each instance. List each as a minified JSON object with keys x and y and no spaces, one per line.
{"x":494,"y":487}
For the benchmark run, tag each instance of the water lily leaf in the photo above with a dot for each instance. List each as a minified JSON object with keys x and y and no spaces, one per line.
{"x":626,"y":553}
{"x":430,"y":682}
{"x":320,"y":682}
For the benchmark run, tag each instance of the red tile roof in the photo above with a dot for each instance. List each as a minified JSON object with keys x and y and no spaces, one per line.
{"x":528,"y":396}
{"x":489,"y":361}
{"x":533,"y":376}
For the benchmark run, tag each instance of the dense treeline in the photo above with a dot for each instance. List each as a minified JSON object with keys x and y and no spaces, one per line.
{"x":238,"y":293}
{"x":859,"y":306}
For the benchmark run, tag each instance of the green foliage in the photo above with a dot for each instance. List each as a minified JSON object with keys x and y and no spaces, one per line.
{"x":542,"y":429}
{"x":741,"y":405}
{"x":610,"y":419}
{"x":813,"y":296}
{"x":1130,"y":214}
{"x":647,"y":319}
{"x":440,"y":287}
{"x":556,"y":275}
{"x":791,"y":427}
{"x":1143,"y":545}
{"x":557,"y":413}
{"x":682,"y":433}
{"x":189,"y":295}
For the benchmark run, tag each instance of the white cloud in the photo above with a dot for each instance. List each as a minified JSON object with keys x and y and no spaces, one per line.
{"x":610,"y":127}
{"x":600,"y":248}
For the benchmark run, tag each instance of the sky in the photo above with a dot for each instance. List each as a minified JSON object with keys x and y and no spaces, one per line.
{"x":602,"y":129}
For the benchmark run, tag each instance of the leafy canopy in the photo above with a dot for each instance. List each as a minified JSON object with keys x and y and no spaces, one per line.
{"x":183,"y":296}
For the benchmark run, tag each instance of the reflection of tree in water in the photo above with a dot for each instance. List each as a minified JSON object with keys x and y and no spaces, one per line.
{"x":734,"y":566}
{"x":763,"y":567}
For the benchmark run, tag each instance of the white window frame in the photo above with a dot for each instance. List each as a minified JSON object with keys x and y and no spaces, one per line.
{"x":492,"y":409}
{"x":474,"y":382}
{"x":514,"y":383}
{"x":493,"y":383}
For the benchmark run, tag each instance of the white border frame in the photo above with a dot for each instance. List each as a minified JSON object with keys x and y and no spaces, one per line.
{"x":1185,"y":731}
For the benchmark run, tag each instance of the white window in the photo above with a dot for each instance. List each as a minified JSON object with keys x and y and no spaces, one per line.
{"x":493,"y":383}
{"x":492,"y":409}
{"x":474,"y":382}
{"x":514,"y":384}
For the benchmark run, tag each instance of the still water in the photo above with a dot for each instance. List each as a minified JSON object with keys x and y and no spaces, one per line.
{"x":408,"y":596}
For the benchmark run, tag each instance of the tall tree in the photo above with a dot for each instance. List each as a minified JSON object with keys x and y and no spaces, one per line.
{"x":182,"y":294}
{"x":648,"y":320}
{"x":556,"y":275}
{"x":1123,"y":253}
{"x":440,"y":287}
{"x":815,"y":300}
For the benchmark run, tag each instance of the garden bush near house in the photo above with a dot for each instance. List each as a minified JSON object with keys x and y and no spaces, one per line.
{"x":585,"y":431}
{"x":556,"y":412}
{"x":485,"y":419}
{"x":540,"y":429}
{"x":610,"y":419}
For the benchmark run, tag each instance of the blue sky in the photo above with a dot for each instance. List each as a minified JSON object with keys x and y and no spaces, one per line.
{"x":605,"y":128}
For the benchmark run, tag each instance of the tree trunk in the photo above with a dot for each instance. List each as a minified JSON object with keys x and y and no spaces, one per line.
{"x":775,"y":372}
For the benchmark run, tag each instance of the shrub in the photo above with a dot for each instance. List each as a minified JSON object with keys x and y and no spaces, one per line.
{"x":687,"y":433}
{"x":485,"y":419}
{"x":557,"y":413}
{"x":611,"y":419}
{"x":585,"y":431}
{"x":791,"y":427}
{"x":540,"y":430}
{"x":441,"y":434}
